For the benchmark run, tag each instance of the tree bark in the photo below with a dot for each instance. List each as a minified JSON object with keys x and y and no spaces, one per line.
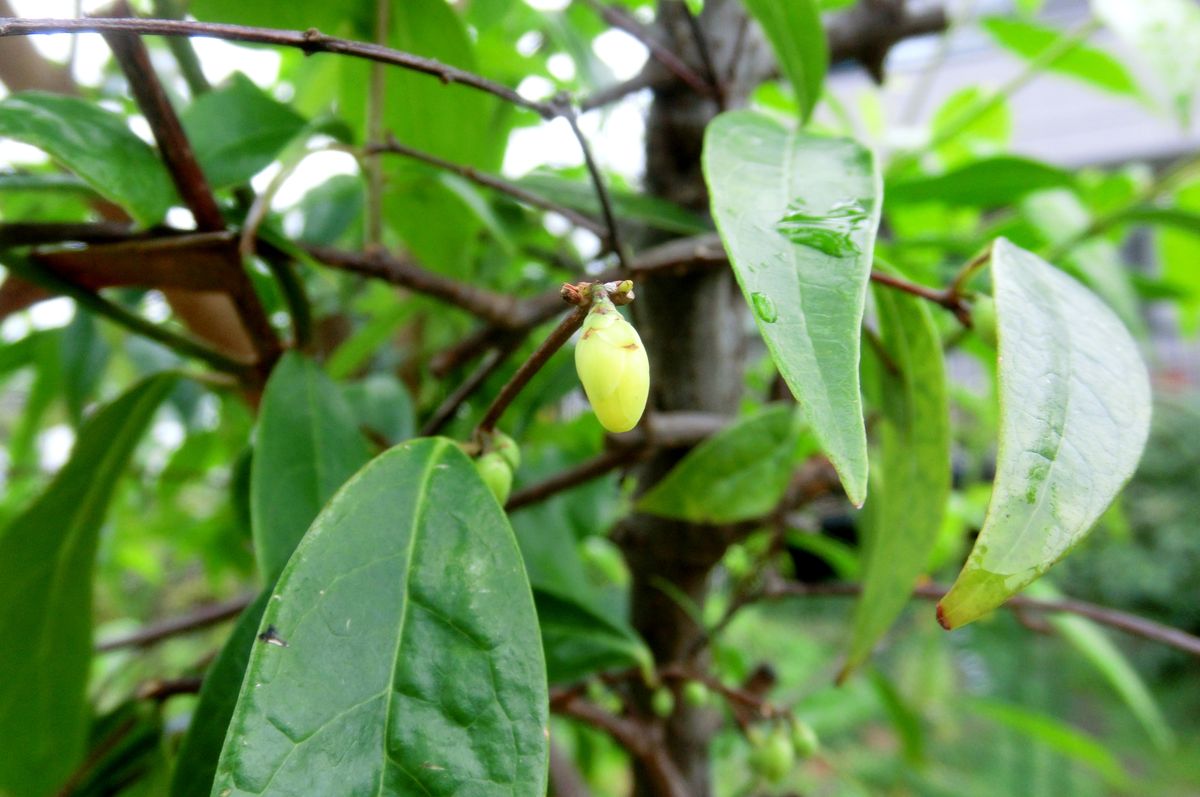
{"x":693,"y":327}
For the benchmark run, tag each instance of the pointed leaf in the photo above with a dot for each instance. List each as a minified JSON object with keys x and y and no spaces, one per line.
{"x":739,"y":473}
{"x":399,"y":653}
{"x":914,"y":485}
{"x":580,"y":641}
{"x":96,"y":145}
{"x":795,"y":31}
{"x":308,"y":444}
{"x":46,"y":560}
{"x":1074,"y":416}
{"x":798,"y":215}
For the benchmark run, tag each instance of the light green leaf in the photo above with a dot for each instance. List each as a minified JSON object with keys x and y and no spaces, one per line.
{"x":1179,"y":251}
{"x":308,"y":444}
{"x":196,"y":764}
{"x":1074,"y":416}
{"x":1166,"y":33}
{"x":46,"y":558}
{"x":1001,"y":180}
{"x":798,"y":215}
{"x":795,"y":31}
{"x":96,"y":145}
{"x":237,"y":130}
{"x":401,"y":642}
{"x":914,"y":472}
{"x":580,"y":641}
{"x":740,"y":473}
{"x":1084,"y":62}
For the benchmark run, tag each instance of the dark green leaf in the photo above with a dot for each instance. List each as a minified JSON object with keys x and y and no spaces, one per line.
{"x":332,"y":209}
{"x":580,"y":641}
{"x":85,"y":355}
{"x":738,"y":474}
{"x":795,"y":31}
{"x":196,"y":764}
{"x":985,"y":183}
{"x":348,"y":17}
{"x":798,"y":215}
{"x":914,"y":485}
{"x":96,"y":145}
{"x":46,"y":560}
{"x":403,"y":645}
{"x":1085,"y":62}
{"x":237,"y":130}
{"x":308,"y":444}
{"x":1074,"y":416}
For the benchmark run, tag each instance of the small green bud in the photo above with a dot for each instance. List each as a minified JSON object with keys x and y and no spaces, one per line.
{"x":496,"y":474}
{"x":772,"y":756}
{"x":696,"y":694}
{"x":983,"y":319}
{"x":612,"y":365}
{"x":804,"y":739}
{"x":663,"y":702}
{"x":507,"y":448}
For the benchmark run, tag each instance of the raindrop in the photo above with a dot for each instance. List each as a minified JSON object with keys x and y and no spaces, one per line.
{"x":830,"y":231}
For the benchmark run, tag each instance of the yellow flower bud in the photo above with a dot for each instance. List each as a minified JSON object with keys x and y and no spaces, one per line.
{"x":612,"y":365}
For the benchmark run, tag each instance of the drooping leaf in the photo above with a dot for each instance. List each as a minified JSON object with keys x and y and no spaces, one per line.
{"x":795,"y":32}
{"x":740,"y":473}
{"x":308,"y":444}
{"x":46,"y":559}
{"x":196,"y":764}
{"x":237,"y":130}
{"x":984,"y":183}
{"x":401,"y":643}
{"x":96,"y":145}
{"x":1085,"y":62}
{"x":580,"y":641}
{"x":1166,"y":33}
{"x":798,"y":215}
{"x":914,"y":472}
{"x":1074,"y":417}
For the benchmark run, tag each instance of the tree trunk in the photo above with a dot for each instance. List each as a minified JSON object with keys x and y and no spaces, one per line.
{"x":694,"y":330}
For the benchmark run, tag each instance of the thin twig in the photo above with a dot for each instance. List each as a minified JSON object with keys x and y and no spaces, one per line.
{"x":621,"y":20}
{"x":449,"y":407}
{"x":610,"y":219}
{"x":618,"y":91}
{"x":944,"y":297}
{"x":202,"y":617}
{"x":392,"y":146}
{"x":582,"y":473}
{"x":706,"y":59}
{"x":553,"y":342}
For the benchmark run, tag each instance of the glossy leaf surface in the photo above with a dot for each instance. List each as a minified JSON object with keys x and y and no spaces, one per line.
{"x":798,"y":215}
{"x":1074,"y":417}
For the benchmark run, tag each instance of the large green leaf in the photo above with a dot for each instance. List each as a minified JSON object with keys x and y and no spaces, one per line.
{"x":795,"y":31}
{"x":738,"y":474}
{"x":579,"y":641}
{"x":96,"y":145}
{"x":1074,"y":416}
{"x":1085,"y":62}
{"x":914,"y":479}
{"x":985,"y":183}
{"x":400,"y":651}
{"x":1166,"y":33}
{"x":308,"y":444}
{"x":798,"y":214}
{"x":196,"y":764}
{"x":46,"y":559}
{"x":237,"y":130}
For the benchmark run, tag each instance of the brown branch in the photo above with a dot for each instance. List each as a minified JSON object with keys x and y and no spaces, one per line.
{"x":449,"y":406}
{"x":621,"y":20}
{"x":706,"y":58}
{"x":582,"y":473}
{"x":618,"y":91}
{"x":553,"y":342}
{"x":392,"y":146}
{"x":203,"y":617}
{"x":310,"y":41}
{"x":162,"y":689}
{"x":606,"y":207}
{"x":34,"y":233}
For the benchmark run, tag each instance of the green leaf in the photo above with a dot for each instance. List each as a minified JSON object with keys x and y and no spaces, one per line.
{"x":1178,"y":250}
{"x":651,"y":211}
{"x":1001,"y":180}
{"x":1074,"y":416}
{"x":914,"y":471}
{"x":740,"y":473}
{"x":356,"y":15}
{"x":46,"y":558}
{"x":237,"y":130}
{"x":381,"y":403}
{"x":798,"y":38}
{"x":308,"y":444}
{"x":1084,"y":62}
{"x":798,"y":215}
{"x":1166,"y":33}
{"x":580,"y":641}
{"x":196,"y":764}
{"x":96,"y":145}
{"x":405,"y":647}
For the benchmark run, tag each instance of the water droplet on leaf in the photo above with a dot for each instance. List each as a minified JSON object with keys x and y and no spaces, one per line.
{"x":829,"y":231}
